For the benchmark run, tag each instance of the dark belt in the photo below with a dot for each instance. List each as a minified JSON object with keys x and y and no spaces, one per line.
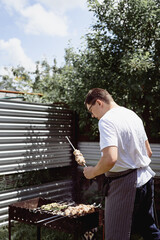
{"x":111,"y":176}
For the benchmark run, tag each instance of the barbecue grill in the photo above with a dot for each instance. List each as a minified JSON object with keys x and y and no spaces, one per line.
{"x":30,"y":212}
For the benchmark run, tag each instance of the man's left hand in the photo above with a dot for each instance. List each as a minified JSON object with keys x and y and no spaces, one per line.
{"x":89,"y":172}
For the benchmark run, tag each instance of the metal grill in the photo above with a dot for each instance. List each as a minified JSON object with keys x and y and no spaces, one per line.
{"x":29,"y":212}
{"x":53,"y":190}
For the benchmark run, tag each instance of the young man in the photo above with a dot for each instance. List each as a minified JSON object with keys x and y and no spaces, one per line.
{"x":125,"y":159}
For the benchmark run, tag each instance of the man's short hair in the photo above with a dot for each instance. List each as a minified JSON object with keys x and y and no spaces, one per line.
{"x":98,"y":93}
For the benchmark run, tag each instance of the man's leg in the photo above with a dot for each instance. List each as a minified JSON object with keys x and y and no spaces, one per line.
{"x":143,"y":215}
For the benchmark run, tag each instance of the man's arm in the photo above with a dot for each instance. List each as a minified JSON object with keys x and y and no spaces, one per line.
{"x":106,"y":162}
{"x":148,"y":148}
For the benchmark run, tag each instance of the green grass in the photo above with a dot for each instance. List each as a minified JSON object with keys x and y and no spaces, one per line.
{"x":29,"y":232}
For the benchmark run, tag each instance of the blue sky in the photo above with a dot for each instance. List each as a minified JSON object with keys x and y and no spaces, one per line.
{"x":33,"y":30}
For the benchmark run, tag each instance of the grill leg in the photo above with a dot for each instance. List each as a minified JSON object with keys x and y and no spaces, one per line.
{"x":75,"y":236}
{"x":38,"y":233}
{"x":9,"y":228}
{"x":103,"y":232}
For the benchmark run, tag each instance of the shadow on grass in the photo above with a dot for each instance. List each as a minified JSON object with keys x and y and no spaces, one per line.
{"x":29,"y":232}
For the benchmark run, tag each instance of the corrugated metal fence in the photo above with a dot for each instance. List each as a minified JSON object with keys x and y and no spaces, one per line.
{"x":91,"y":153}
{"x":32,"y":137}
{"x":53,"y":190}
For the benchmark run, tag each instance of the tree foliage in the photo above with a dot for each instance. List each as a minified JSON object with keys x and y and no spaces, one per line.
{"x":121,"y":54}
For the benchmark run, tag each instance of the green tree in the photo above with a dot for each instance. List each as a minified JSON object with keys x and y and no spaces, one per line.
{"x":46,"y":79}
{"x":51,"y":81}
{"x":122,"y":54}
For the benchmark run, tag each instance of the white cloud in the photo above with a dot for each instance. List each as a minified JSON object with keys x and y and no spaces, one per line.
{"x":14,"y":5}
{"x":43,"y":17}
{"x":13,"y":54}
{"x":38,"y":17}
{"x":58,"y":6}
{"x":40,"y":21}
{"x":61,"y":6}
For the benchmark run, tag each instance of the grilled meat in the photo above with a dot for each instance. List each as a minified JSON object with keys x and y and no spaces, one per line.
{"x":79,"y":157}
{"x":67,"y":210}
{"x":79,"y":210}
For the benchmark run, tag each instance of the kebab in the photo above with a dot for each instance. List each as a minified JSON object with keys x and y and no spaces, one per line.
{"x":67,"y":210}
{"x":79,"y":210}
{"x":54,"y":207}
{"x":78,"y":155}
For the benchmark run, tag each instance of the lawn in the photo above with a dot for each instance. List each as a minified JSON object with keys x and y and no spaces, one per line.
{"x":29,"y":232}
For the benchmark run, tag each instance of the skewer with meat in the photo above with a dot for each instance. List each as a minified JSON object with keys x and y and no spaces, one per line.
{"x":79,"y":157}
{"x":67,"y":210}
{"x":79,"y":210}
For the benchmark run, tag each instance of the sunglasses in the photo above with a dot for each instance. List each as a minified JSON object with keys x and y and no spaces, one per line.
{"x":93,"y":103}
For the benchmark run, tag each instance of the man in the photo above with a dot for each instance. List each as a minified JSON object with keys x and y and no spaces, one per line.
{"x":125,"y":159}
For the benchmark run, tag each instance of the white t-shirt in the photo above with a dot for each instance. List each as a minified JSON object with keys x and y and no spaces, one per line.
{"x":123,"y":128}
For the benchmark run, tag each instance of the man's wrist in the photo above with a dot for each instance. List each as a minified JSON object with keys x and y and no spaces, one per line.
{"x":94,"y":172}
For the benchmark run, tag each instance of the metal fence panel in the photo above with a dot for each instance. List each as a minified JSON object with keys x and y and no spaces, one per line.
{"x":54,"y":190}
{"x":32,"y":136}
{"x":91,"y":152}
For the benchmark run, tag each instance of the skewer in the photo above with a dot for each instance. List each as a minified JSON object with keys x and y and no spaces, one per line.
{"x":46,"y":219}
{"x":74,"y":149}
{"x":57,"y":218}
{"x":84,"y":165}
{"x":70,"y":143}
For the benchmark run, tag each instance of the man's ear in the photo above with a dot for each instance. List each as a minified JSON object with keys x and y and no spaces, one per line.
{"x":99,"y":102}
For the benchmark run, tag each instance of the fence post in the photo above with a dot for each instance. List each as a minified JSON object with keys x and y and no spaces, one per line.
{"x":74,"y":164}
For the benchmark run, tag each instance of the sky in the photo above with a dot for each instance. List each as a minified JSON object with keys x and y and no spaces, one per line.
{"x":34,"y":30}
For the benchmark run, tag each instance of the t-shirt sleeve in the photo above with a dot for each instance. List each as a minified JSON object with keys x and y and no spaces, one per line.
{"x":145,"y":135}
{"x":108,"y":134}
